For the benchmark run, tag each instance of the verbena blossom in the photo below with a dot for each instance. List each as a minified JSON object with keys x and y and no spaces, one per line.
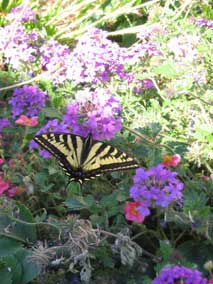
{"x":4,"y":123}
{"x":6,"y":189}
{"x":1,"y":161}
{"x":138,"y":51}
{"x":27,"y":121}
{"x":15,"y":190}
{"x":132,"y":213}
{"x":4,"y":185}
{"x":203,"y":22}
{"x":96,"y":112}
{"x":18,"y":47}
{"x":53,"y":60}
{"x":184,"y":46}
{"x":143,"y":84}
{"x":22,"y":13}
{"x":95,"y":58}
{"x":156,"y":186}
{"x":27,"y":100}
{"x":179,"y":274}
{"x":171,"y":161}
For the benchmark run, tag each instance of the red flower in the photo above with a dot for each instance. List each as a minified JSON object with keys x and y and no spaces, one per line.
{"x":27,"y":121}
{"x":15,"y":190}
{"x":3,"y":185}
{"x":171,"y":161}
{"x":132,"y":213}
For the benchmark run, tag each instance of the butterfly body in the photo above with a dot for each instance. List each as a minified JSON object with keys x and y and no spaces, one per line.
{"x":83,"y":158}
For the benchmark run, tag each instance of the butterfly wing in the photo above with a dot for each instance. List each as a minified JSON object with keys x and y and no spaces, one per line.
{"x":84,"y":158}
{"x":106,"y":158}
{"x":66,"y":148}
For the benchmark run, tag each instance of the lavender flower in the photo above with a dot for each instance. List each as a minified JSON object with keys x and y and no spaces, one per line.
{"x":53,"y":59}
{"x":155,"y":187}
{"x":95,"y":58}
{"x":17,"y":46}
{"x":4,"y":123}
{"x":204,"y":22}
{"x":95,"y":112}
{"x":179,"y":274}
{"x":27,"y":100}
{"x":139,"y":50}
{"x":184,"y":46}
{"x":21,"y":14}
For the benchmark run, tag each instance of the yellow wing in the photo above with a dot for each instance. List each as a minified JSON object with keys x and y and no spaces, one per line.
{"x":84,"y":158}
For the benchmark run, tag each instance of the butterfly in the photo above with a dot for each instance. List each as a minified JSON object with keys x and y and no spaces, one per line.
{"x":83,"y":158}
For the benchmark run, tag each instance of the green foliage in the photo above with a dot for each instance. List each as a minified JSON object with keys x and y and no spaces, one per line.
{"x":16,"y":266}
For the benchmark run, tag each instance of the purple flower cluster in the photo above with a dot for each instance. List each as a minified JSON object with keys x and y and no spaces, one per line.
{"x":4,"y":123}
{"x":184,"y":46}
{"x":53,"y":58}
{"x":179,"y":274}
{"x":139,"y":50}
{"x":157,"y":186}
{"x":96,"y":112}
{"x":21,"y":14}
{"x":27,"y":100}
{"x":96,"y":58}
{"x":18,"y":47}
{"x":203,"y":22}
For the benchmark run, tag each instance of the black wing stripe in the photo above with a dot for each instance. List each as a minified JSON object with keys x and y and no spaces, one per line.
{"x":84,"y":158}
{"x":42,"y":141}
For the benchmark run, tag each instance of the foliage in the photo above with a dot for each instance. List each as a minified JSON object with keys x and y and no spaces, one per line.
{"x":96,"y":67}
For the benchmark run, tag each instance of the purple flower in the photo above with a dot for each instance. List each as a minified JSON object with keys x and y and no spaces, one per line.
{"x":27,"y":100}
{"x":95,"y":112}
{"x":135,"y":53}
{"x":4,"y":123}
{"x":179,"y":274}
{"x":203,"y":22}
{"x":157,"y":186}
{"x":18,"y":47}
{"x":95,"y":59}
{"x":21,"y":14}
{"x":53,"y":59}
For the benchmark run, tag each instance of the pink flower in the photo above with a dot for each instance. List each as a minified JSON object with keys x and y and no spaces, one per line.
{"x":27,"y":121}
{"x":171,"y":161}
{"x":15,"y":190}
{"x":3,"y":185}
{"x":132,"y":213}
{"x":211,"y":281}
{"x":1,"y":161}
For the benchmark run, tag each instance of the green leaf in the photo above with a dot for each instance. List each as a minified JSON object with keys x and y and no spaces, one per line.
{"x":196,"y":252}
{"x":25,"y":231}
{"x":167,"y":70}
{"x":14,"y":266}
{"x":5,"y":276}
{"x":4,"y":4}
{"x":30,"y":269}
{"x":8,"y":246}
{"x":51,"y":113}
{"x":75,"y":204}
